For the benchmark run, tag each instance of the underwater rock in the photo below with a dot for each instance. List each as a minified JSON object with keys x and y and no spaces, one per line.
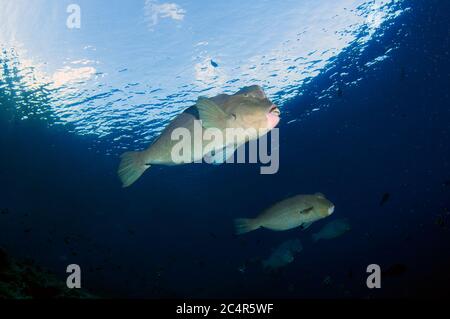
{"x":283,"y":255}
{"x":23,"y":280}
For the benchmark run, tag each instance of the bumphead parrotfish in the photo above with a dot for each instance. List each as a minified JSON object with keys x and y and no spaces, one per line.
{"x":249,"y":108}
{"x":297,"y":211}
{"x":332,"y":230}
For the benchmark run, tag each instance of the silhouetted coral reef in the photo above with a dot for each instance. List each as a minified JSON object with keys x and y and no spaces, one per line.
{"x":23,"y":280}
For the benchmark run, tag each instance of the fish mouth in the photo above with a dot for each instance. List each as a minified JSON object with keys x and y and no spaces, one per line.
{"x":273,"y":116}
{"x":331,"y":210}
{"x":274,"y":110}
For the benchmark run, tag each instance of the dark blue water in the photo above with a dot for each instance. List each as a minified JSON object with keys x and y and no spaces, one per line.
{"x":171,"y":234}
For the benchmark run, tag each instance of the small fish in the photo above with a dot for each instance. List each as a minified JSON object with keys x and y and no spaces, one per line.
{"x":4,"y":211}
{"x":327,"y":281}
{"x":242,"y":268}
{"x":384,"y":199}
{"x":297,"y":211}
{"x":214,"y":64}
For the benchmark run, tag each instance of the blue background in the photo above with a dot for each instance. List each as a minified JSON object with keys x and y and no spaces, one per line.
{"x":381,"y":127}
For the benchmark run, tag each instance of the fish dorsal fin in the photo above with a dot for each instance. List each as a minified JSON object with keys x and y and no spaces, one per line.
{"x":211,"y":115}
{"x":306,"y":210}
{"x":319,"y":195}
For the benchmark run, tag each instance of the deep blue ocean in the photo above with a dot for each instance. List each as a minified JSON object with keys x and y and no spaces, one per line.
{"x":373,"y":122}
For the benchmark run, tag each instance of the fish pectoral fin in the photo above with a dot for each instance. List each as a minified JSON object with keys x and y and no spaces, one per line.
{"x":220,"y":156}
{"x":305,"y":225}
{"x":306,"y":210}
{"x":211,"y":115}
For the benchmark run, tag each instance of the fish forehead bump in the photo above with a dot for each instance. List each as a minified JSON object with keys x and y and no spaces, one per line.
{"x":323,"y":200}
{"x":254,"y":91}
{"x":248,"y":89}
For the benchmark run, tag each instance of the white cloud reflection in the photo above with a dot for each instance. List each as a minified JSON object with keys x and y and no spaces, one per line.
{"x":155,"y":11}
{"x":70,"y":75}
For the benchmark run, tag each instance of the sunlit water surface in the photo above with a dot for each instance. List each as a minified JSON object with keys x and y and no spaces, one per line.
{"x":133,"y":66}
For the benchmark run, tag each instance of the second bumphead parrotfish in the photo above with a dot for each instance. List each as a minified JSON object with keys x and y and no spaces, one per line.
{"x":283,"y":255}
{"x":297,"y":211}
{"x":332,"y":230}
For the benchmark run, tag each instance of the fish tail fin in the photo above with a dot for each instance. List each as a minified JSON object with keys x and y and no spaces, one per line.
{"x":131,"y":167}
{"x":245,"y":225}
